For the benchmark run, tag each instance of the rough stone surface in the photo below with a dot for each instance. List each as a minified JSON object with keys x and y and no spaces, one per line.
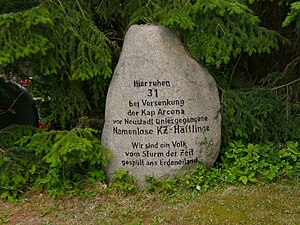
{"x":162,"y":111}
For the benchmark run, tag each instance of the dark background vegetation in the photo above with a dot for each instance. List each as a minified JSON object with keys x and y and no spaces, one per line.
{"x":69,"y":49}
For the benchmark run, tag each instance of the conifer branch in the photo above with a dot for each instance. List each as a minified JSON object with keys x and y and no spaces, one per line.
{"x":233,"y":70}
{"x":1,"y":150}
{"x":291,"y":64}
{"x":80,"y":9}
{"x":285,"y":85}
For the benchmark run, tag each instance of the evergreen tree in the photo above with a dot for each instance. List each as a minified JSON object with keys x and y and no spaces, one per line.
{"x":59,"y":46}
{"x":69,"y":48}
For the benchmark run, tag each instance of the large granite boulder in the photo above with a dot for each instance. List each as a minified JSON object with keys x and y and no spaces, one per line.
{"x":162,"y":110}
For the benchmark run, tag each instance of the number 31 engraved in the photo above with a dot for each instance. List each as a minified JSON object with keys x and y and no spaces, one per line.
{"x":152,"y":93}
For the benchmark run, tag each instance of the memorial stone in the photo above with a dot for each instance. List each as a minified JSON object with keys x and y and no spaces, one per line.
{"x":162,"y":110}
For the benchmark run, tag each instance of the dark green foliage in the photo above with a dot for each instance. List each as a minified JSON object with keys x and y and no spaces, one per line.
{"x":70,"y":48}
{"x":18,"y":167}
{"x":256,"y":116}
{"x":240,"y":164}
{"x":9,"y":6}
{"x":57,"y":161}
{"x":266,"y":162}
{"x":200,"y":179}
{"x":64,"y":53}
{"x":286,"y":61}
{"x":13,"y":133}
{"x":214,"y":31}
{"x":294,"y":17}
{"x":67,"y":37}
{"x":162,"y":185}
{"x":123,"y":182}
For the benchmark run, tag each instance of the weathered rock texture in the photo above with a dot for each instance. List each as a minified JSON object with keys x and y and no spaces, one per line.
{"x":162,"y":111}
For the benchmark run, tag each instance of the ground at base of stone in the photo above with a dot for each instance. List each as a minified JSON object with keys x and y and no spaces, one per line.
{"x":276,"y":203}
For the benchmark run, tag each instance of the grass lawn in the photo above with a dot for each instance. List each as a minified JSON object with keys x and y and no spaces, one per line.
{"x":276,"y":203}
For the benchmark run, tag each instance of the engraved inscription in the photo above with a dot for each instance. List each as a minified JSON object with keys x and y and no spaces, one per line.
{"x":156,"y":116}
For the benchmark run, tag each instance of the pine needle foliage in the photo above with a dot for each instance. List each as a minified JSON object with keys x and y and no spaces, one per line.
{"x":256,"y":115}
{"x":70,"y":48}
{"x":215,"y":31}
{"x":13,"y":133}
{"x":57,"y":161}
{"x":293,"y":17}
{"x":9,"y":6}
{"x":67,"y":37}
{"x":59,"y":46}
